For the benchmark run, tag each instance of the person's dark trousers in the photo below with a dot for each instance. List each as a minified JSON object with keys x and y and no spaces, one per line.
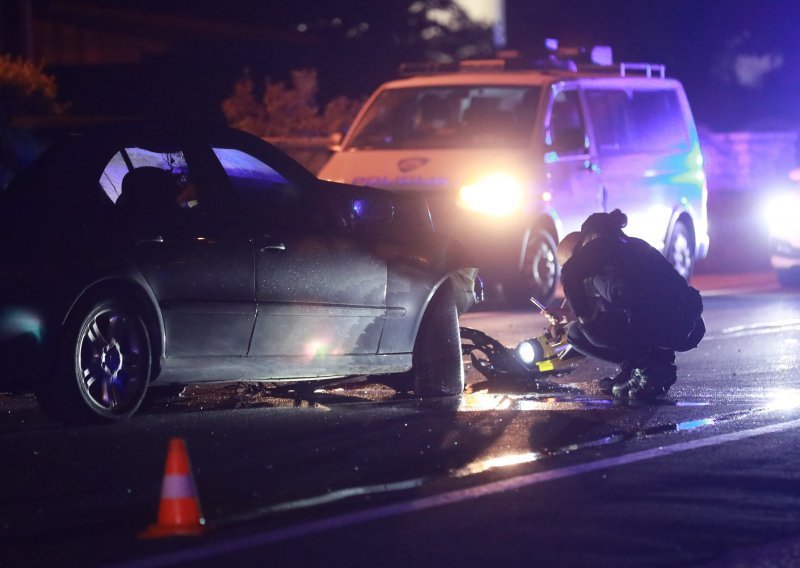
{"x":624,"y":353}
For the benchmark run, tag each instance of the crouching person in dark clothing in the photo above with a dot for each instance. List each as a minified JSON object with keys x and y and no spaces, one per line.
{"x":632,"y":307}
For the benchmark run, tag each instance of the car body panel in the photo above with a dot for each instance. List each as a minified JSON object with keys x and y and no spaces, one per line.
{"x":306,"y":292}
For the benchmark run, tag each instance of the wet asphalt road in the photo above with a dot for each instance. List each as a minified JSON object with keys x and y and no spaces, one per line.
{"x":359,"y":475}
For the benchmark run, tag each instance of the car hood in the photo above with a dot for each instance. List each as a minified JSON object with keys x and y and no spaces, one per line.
{"x":409,"y":211}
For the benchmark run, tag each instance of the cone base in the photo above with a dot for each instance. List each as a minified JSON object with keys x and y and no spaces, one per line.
{"x":164,"y":531}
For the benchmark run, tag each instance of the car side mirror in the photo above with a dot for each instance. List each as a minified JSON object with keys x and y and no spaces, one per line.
{"x":373,"y":210}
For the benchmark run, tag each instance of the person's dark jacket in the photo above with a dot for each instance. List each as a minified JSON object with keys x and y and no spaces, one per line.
{"x":621,"y":288}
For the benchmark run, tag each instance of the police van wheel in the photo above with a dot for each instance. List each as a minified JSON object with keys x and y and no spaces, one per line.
{"x":438,"y":368}
{"x":680,"y":252}
{"x":539,"y":274}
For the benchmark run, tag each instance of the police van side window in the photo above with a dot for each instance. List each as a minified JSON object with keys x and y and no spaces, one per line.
{"x":566,"y":133}
{"x":659,"y":121}
{"x":610,"y":121}
{"x":627,"y":121}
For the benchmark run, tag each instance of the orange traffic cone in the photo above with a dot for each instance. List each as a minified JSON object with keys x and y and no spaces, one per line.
{"x":179,"y":510}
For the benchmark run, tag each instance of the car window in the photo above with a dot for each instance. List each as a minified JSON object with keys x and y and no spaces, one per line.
{"x":263,"y":193}
{"x":249,"y":176}
{"x":154,"y":191}
{"x":131,"y":158}
{"x":637,"y":121}
{"x":659,"y":121}
{"x":448,"y":117}
{"x":566,"y":133}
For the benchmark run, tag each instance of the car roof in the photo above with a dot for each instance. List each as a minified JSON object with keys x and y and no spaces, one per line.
{"x":79,"y":145}
{"x":523,"y":78}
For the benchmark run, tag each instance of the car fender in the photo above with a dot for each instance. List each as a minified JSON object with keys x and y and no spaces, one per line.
{"x":412,"y":282}
{"x":130,"y":284}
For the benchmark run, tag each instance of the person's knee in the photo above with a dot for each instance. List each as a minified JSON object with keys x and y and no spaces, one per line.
{"x":582,"y":342}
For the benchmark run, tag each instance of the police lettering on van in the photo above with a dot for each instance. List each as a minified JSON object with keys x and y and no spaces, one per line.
{"x":510,"y":161}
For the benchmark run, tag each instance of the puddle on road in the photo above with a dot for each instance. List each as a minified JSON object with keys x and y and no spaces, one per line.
{"x":485,"y":401}
{"x":515,"y":459}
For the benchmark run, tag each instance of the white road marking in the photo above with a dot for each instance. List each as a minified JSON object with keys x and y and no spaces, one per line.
{"x":240,"y":544}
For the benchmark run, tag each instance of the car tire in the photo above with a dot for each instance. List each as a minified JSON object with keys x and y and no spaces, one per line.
{"x":680,"y":251}
{"x":103,"y":368}
{"x":437,"y":362}
{"x":539,"y":275}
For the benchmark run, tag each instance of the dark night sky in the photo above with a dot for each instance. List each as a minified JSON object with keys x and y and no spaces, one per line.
{"x":737,"y":58}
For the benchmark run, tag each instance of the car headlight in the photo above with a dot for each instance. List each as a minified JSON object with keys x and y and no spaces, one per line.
{"x":498,"y":195}
{"x":783,"y":215}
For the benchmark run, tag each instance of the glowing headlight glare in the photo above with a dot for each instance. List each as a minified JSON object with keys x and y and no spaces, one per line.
{"x":499,"y":195}
{"x":782,"y":214}
{"x":526,"y":352}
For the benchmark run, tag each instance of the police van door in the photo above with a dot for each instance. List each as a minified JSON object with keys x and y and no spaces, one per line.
{"x":572,"y":179}
{"x":642,"y":145}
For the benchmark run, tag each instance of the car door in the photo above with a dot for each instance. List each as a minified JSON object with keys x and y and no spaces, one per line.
{"x":320,"y":292}
{"x":644,"y":150}
{"x":201,"y":275}
{"x":571,"y":174}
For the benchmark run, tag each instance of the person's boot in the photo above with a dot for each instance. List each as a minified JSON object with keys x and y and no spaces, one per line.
{"x":653,"y":381}
{"x":607,"y":384}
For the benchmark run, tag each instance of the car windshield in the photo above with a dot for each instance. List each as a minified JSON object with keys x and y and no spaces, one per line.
{"x":448,"y":117}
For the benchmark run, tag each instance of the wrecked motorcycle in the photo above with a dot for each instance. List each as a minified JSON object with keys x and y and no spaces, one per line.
{"x":535,"y":358}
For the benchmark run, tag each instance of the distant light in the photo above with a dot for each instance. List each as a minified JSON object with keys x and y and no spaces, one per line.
{"x":781,"y":214}
{"x":547,"y":196}
{"x":602,"y":55}
{"x":302,"y":28}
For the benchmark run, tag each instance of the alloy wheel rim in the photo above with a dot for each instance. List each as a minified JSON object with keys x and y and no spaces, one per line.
{"x":543,"y":268}
{"x":681,"y":255}
{"x":112,"y":361}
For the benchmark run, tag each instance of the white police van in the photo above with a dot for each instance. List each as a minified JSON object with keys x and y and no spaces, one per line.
{"x":512,"y":156}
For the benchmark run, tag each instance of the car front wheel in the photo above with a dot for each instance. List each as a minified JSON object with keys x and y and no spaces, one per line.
{"x":437,"y":365}
{"x":539,"y":275}
{"x":680,"y":252}
{"x":104,"y":366}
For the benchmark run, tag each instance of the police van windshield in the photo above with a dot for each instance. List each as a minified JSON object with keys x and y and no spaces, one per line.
{"x":448,"y":117}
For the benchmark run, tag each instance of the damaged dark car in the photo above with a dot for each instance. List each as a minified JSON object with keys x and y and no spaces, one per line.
{"x":138,"y":253}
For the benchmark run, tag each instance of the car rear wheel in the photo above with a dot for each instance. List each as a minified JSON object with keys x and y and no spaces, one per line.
{"x":538,"y":277}
{"x":438,"y":368}
{"x":680,"y":252}
{"x":104,"y":366}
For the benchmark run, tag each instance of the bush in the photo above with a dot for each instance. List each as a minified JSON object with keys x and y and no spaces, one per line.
{"x":26,"y":90}
{"x":284,"y":110}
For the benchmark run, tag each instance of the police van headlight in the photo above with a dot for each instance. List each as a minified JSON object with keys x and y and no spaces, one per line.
{"x":782,"y":215}
{"x":498,"y":195}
